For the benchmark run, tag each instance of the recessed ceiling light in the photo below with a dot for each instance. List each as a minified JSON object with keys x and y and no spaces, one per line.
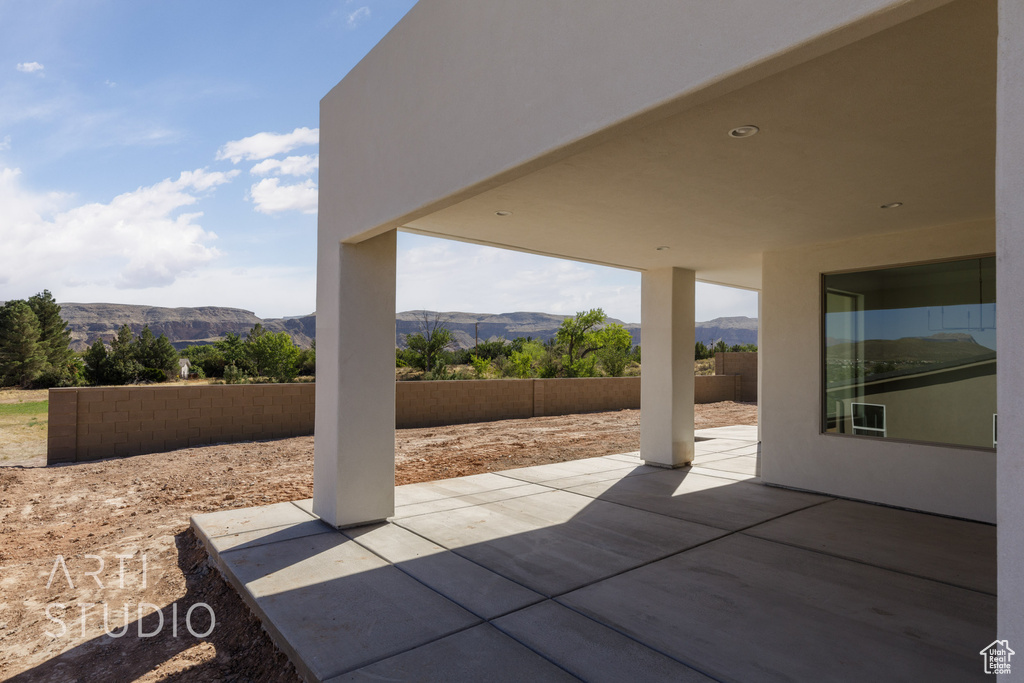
{"x":892,"y":205}
{"x":743,"y":131}
{"x":662,"y":249}
{"x":502,"y":213}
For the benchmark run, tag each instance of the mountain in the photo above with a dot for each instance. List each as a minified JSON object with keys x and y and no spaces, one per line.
{"x":466,"y":326}
{"x":207,"y":324}
{"x":944,"y":347}
{"x":734,"y":330}
{"x":182,"y":326}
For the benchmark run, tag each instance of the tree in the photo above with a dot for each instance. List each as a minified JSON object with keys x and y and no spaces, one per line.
{"x":208,"y":358}
{"x":22,"y":357}
{"x":430,"y":344}
{"x":616,"y":344}
{"x":232,"y":347}
{"x":62,"y":366}
{"x":272,"y":355}
{"x":96,"y":363}
{"x":578,"y":336}
{"x":121,"y":366}
{"x":306,"y":362}
{"x":156,"y":356}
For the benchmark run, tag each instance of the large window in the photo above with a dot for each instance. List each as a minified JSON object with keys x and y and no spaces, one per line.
{"x":910,"y":353}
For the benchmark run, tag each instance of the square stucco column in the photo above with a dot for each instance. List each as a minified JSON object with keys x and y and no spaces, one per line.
{"x":666,"y":391}
{"x":354,"y":454}
{"x":1010,"y":324}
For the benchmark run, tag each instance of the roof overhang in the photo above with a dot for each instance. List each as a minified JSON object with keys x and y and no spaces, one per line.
{"x":904,"y":115}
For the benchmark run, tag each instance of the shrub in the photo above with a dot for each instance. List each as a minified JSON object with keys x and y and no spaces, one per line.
{"x":233,"y":375}
{"x":480,"y":366}
{"x":520,"y":364}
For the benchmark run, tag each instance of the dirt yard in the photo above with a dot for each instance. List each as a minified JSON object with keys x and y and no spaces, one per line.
{"x":79,"y":540}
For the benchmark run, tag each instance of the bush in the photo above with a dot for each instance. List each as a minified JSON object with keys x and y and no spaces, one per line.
{"x":233,"y":375}
{"x":480,"y":366}
{"x":152,"y":375}
{"x":520,"y":365}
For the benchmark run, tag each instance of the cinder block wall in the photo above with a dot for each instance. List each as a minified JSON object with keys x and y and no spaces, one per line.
{"x":430,"y":404}
{"x":585,"y":395}
{"x":743,"y":364}
{"x":715,"y":388}
{"x":105,"y":422}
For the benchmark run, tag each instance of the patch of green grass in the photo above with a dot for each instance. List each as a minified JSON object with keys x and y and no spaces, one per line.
{"x":33,"y":408}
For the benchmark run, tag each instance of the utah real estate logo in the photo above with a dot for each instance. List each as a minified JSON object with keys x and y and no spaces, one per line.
{"x":997,"y":657}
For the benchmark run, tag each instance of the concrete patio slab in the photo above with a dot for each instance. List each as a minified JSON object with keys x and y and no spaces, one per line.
{"x":745,"y":609}
{"x":705,"y":458}
{"x":480,"y":591}
{"x":451,"y":488}
{"x":633,"y":457}
{"x":776,"y":585}
{"x":556,"y":541}
{"x":741,"y":464}
{"x":468,"y":500}
{"x":228,"y":522}
{"x":605,"y":476}
{"x":895,"y":539}
{"x":734,"y":432}
{"x":561,"y":470}
{"x":481,"y":653}
{"x":712,"y":501}
{"x":275,"y":534}
{"x":722,"y":474}
{"x":719,"y":446}
{"x":318,"y":591}
{"x":589,"y":650}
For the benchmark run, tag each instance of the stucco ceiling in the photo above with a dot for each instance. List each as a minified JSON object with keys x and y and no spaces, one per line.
{"x":906,"y":115}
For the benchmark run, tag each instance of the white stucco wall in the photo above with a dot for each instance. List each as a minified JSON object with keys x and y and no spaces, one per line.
{"x":794,"y":452}
{"x":461,"y":96}
{"x":1010,"y":321}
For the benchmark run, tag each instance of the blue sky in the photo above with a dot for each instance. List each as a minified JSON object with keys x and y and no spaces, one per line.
{"x":165,"y":153}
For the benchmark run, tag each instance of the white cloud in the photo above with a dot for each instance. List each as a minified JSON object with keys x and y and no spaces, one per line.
{"x":297,"y":166}
{"x":30,"y":67}
{"x":443,"y":275}
{"x":139,"y":239}
{"x":5,"y":144}
{"x":358,"y":17}
{"x":265,"y":145}
{"x":272,"y":197}
{"x":270,"y":291}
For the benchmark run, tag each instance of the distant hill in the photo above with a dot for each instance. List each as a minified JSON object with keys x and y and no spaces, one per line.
{"x":182,"y":326}
{"x":543,"y":326}
{"x":207,"y":324}
{"x":940,"y":348}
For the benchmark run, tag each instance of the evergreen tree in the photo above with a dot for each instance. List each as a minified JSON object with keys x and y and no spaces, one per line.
{"x":233,"y":349}
{"x":54,"y":337}
{"x":96,"y":363}
{"x":22,"y":357}
{"x":121,"y":366}
{"x":166,"y":355}
{"x":156,"y":356}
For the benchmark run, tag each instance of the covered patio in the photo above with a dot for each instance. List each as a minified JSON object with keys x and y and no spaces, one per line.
{"x":609,"y":569}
